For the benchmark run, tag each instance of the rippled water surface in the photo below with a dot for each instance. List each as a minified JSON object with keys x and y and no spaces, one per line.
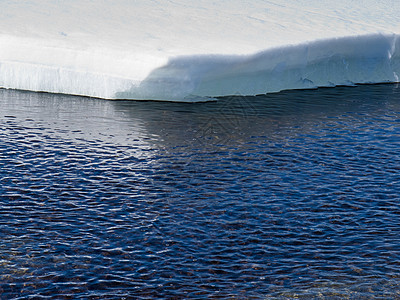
{"x":291,"y":195}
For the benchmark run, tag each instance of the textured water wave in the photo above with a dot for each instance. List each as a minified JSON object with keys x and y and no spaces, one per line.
{"x":292,"y":195}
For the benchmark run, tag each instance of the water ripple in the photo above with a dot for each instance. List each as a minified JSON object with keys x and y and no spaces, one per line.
{"x":286,"y":196}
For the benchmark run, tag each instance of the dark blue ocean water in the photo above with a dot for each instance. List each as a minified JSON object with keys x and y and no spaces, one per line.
{"x":294,"y":195}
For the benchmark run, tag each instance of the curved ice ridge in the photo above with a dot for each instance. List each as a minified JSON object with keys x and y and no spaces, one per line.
{"x":323,"y":63}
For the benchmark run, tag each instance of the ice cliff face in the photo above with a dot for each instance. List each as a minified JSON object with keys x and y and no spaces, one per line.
{"x":189,"y":51}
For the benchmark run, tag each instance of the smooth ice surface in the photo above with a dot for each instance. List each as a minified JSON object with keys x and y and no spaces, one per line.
{"x":181,"y":50}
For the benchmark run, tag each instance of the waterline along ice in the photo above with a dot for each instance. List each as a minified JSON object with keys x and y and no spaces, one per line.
{"x":196,"y":51}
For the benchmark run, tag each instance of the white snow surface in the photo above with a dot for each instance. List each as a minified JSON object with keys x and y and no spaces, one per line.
{"x":196,"y":50}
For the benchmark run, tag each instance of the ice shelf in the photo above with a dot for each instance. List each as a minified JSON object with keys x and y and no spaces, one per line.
{"x":194,"y":51}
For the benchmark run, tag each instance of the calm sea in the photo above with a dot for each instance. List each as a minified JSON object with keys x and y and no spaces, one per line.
{"x":294,"y":195}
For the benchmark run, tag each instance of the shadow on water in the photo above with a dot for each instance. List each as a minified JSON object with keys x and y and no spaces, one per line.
{"x":230,"y":121}
{"x":233,"y":121}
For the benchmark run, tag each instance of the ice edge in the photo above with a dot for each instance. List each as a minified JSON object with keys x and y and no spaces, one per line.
{"x":323,"y":63}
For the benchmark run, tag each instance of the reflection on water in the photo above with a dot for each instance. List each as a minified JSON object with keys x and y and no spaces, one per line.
{"x":290,"y":195}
